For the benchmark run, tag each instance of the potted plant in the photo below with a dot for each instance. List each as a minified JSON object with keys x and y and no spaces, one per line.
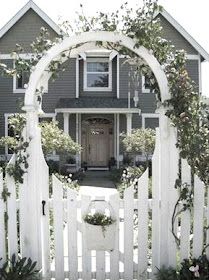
{"x":100,"y":231}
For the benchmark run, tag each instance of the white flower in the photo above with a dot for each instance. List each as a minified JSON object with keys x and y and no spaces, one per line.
{"x":195,"y":269}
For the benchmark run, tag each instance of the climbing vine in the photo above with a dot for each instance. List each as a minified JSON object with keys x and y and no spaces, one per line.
{"x":19,"y":146}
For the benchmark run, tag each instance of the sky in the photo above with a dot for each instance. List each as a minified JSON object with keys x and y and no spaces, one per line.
{"x":191,"y":14}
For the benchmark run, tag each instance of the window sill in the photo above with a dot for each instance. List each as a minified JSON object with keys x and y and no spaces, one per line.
{"x":97,"y":89}
{"x":20,"y":90}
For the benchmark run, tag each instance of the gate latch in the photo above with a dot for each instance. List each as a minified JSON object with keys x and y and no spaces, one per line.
{"x":43,"y":207}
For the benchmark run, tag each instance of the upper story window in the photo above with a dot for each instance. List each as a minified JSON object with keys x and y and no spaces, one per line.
{"x":97,"y":74}
{"x":145,"y":85}
{"x":20,"y":81}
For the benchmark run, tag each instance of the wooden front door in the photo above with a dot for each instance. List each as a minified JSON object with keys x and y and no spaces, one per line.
{"x":98,"y":145}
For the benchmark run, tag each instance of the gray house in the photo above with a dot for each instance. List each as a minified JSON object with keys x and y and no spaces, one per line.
{"x":94,"y":100}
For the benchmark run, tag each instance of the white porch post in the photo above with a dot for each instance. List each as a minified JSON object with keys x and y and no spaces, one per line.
{"x":66,"y":122}
{"x":78,"y":138}
{"x":129,"y":123}
{"x":117,"y":138}
{"x":77,"y":77}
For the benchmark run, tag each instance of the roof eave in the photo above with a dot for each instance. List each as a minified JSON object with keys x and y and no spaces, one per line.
{"x":30,"y":5}
{"x":203,"y":53}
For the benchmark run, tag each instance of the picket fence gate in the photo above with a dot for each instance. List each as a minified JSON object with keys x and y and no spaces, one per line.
{"x":143,"y":238}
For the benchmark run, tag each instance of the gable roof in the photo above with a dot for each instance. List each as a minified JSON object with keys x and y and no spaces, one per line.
{"x":185,"y":34}
{"x":57,"y":29}
{"x":33,"y":6}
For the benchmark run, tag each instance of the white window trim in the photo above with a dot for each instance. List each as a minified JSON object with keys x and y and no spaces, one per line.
{"x":148,"y":116}
{"x":144,"y":90}
{"x":101,"y":59}
{"x":15,"y":89}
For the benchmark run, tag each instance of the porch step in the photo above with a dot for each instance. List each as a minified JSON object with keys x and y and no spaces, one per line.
{"x":98,"y":168}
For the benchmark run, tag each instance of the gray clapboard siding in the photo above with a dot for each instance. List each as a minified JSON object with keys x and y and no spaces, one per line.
{"x":72,"y":126}
{"x":63,"y":87}
{"x":170,"y":33}
{"x":151,"y":123}
{"x":136,"y":121}
{"x":193,"y":70}
{"x":147,"y":102}
{"x":24,"y":32}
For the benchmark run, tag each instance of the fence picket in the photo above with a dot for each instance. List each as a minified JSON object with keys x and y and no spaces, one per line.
{"x":2,"y":225}
{"x":198,"y":217}
{"x":58,"y":227}
{"x":100,"y":255}
{"x":72,"y":234}
{"x":12,"y":216}
{"x":114,"y":255}
{"x":128,"y":232}
{"x":45,"y":238}
{"x":156,"y":206}
{"x":185,"y":216}
{"x":86,"y":254}
{"x":143,"y":225}
{"x":207,"y":234}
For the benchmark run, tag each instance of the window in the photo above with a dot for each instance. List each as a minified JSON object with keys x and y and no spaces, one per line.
{"x":9,"y":131}
{"x":19,"y":82}
{"x":97,"y":74}
{"x":145,"y":85}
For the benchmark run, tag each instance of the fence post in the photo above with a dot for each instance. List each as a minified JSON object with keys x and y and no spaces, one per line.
{"x":2,"y":225}
{"x":164,"y":184}
{"x":168,"y":173}
{"x":31,"y":195}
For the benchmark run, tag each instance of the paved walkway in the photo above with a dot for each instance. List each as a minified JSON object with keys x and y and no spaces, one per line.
{"x":97,"y":179}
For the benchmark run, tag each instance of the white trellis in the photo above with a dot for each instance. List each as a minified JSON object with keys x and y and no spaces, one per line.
{"x":34,"y":226}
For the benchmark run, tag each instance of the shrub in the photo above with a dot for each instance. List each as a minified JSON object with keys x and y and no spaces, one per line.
{"x":19,"y":269}
{"x":189,"y":269}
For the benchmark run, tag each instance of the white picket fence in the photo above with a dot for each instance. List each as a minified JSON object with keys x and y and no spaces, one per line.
{"x":143,"y":238}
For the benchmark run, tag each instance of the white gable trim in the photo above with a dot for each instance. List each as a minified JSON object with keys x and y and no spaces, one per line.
{"x":30,"y":5}
{"x":185,"y":34}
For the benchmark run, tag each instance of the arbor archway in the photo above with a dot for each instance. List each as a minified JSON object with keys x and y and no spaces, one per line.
{"x":36,"y":178}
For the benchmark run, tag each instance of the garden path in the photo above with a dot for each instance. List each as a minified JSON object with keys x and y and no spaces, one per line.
{"x":97,"y":179}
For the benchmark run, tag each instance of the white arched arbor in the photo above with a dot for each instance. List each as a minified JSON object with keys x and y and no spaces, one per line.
{"x":36,"y":178}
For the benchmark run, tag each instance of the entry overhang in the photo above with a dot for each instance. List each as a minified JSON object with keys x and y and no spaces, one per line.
{"x":98,"y":110}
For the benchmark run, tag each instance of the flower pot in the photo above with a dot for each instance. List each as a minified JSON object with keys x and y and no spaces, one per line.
{"x":100,"y":239}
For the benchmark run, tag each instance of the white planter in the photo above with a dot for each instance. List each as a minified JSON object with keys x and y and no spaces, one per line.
{"x":98,"y":240}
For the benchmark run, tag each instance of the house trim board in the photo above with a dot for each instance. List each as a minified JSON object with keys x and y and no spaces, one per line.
{"x":147,"y":116}
{"x":98,"y":110}
{"x":29,"y":55}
